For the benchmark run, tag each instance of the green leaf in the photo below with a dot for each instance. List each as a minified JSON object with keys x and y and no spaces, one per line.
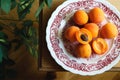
{"x":13,"y":4}
{"x":2,"y":40}
{"x":24,"y":8}
{"x":26,"y":29}
{"x":3,"y":35}
{"x":4,"y":50}
{"x":27,"y":23}
{"x":1,"y":54}
{"x":6,"y":5}
{"x":48,"y":2}
{"x":39,"y":9}
{"x":33,"y":52}
{"x":4,"y":44}
{"x":17,"y":32}
{"x":29,"y":37}
{"x":0,"y":3}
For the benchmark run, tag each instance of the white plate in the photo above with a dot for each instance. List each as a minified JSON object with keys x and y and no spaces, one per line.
{"x":60,"y":52}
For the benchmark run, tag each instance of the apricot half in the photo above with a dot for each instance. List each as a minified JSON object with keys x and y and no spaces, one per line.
{"x":99,"y":46}
{"x":69,"y":33}
{"x":83,"y":51}
{"x":96,"y":15}
{"x":109,"y":31}
{"x":80,"y":17}
{"x":93,"y":28}
{"x":83,"y":36}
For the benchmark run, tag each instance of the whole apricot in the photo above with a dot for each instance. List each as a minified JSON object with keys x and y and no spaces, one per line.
{"x":83,"y":51}
{"x":69,"y":33}
{"x":80,"y":17}
{"x":109,"y":31}
{"x":99,"y":46}
{"x":93,"y":28}
{"x":96,"y":15}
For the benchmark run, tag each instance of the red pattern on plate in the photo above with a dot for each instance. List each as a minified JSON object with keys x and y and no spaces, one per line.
{"x":89,"y":4}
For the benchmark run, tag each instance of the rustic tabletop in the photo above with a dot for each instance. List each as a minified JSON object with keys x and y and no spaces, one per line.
{"x":45,"y":61}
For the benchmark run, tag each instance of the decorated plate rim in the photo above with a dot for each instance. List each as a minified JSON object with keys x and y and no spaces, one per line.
{"x":52,"y":52}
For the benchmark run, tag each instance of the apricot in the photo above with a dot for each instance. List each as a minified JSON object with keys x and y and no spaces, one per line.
{"x":69,"y":33}
{"x":109,"y":31}
{"x":99,"y":46}
{"x":93,"y":28}
{"x":80,"y":17}
{"x":96,"y":15}
{"x":83,"y":36}
{"x":83,"y":51}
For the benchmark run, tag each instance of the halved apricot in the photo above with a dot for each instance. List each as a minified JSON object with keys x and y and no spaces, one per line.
{"x":83,"y":51}
{"x":99,"y":46}
{"x":69,"y":33}
{"x":83,"y":36}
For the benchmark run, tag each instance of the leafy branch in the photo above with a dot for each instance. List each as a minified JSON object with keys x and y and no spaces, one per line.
{"x":27,"y":35}
{"x":23,"y":6}
{"x":47,"y":2}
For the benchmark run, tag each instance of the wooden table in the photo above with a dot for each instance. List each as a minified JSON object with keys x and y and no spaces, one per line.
{"x":45,"y":61}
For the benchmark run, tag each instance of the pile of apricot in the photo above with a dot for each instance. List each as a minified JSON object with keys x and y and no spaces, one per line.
{"x":90,"y":36}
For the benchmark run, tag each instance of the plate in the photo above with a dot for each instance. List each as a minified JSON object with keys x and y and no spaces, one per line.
{"x":59,"y":49}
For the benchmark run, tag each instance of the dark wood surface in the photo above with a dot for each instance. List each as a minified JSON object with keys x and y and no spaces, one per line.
{"x":45,"y":61}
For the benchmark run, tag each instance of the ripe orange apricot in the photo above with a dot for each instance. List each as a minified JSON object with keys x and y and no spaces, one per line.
{"x":70,"y":33}
{"x":96,"y":15}
{"x":109,"y":30}
{"x":93,"y":28}
{"x":99,"y":46}
{"x":83,"y":36}
{"x":83,"y":51}
{"x":80,"y":17}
